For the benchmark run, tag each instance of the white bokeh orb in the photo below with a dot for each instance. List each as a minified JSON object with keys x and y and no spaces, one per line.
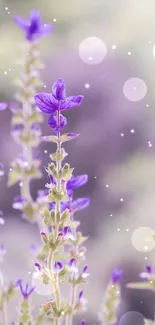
{"x":92,"y":50}
{"x":134,"y":89}
{"x":41,"y":288}
{"x":132,"y":318}
{"x":142,"y":239}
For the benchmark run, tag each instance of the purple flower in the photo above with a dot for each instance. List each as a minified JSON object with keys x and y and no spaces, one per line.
{"x":25,"y":290}
{"x":79,"y":204}
{"x":57,"y":100}
{"x":148,"y":269}
{"x":53,"y":122}
{"x":116,"y":275}
{"x":33,"y":28}
{"x":76,"y":182}
{"x":58,"y":266}
{"x":82,"y":322}
{"x":80,"y":294}
{"x":74,"y":206}
{"x":38,"y":267}
{"x":72,"y":260}
{"x":3,"y":106}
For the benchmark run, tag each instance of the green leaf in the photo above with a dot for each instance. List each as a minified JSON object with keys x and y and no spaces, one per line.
{"x":50,"y":138}
{"x":68,"y":136}
{"x":141,"y":285}
{"x":13,"y":177}
{"x":63,"y":271}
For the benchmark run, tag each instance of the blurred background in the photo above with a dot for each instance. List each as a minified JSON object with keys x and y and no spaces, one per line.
{"x":104,"y":50}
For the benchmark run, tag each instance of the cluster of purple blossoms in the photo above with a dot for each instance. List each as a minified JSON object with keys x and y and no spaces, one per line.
{"x":33,"y":28}
{"x":57,"y":102}
{"x":24,"y":289}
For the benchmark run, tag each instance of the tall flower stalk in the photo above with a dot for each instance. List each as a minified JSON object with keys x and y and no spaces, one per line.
{"x":59,"y":216}
{"x":26,"y":118}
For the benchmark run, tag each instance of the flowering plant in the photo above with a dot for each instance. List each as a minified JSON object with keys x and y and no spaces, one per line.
{"x":26,"y":119}
{"x":62,"y":257}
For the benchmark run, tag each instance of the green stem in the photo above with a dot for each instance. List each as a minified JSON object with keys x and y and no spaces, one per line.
{"x":3,"y":307}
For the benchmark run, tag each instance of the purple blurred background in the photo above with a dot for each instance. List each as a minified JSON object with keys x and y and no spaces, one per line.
{"x":117,"y":143}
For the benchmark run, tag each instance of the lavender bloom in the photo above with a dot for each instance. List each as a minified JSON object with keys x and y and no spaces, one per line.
{"x":76,"y":182}
{"x":33,"y":28}
{"x":3,"y":106}
{"x":82,"y":322}
{"x":74,"y":206}
{"x":53,"y":123}
{"x":148,"y":269}
{"x":58,"y":266}
{"x":116,"y":275}
{"x":50,"y":103}
{"x":25,"y":291}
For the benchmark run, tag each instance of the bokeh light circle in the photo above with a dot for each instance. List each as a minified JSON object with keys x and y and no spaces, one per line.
{"x":142,"y":239}
{"x":134,"y":89}
{"x":92,"y":50}
{"x":41,"y":288}
{"x":132,"y":318}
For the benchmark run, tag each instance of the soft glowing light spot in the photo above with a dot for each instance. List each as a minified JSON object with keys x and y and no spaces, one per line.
{"x":132,"y":317}
{"x":45,"y":151}
{"x":149,"y":144}
{"x":6,"y":8}
{"x":20,"y":184}
{"x":107,"y":185}
{"x":95,"y":177}
{"x":147,"y":105}
{"x":2,"y":222}
{"x":92,"y":50}
{"x":45,"y":86}
{"x":111,"y":215}
{"x":54,"y":20}
{"x":129,"y":53}
{"x":118,"y":229}
{"x":5,"y":72}
{"x":132,"y":131}
{"x":9,"y":69}
{"x":87,"y":86}
{"x":134,"y":89}
{"x":127,"y":229}
{"x":145,"y":258}
{"x":141,"y":239}
{"x":25,"y":163}
{"x":122,"y":134}
{"x":114,"y":47}
{"x":121,"y":199}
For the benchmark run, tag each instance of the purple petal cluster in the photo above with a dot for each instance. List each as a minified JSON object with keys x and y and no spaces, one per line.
{"x":24,"y":289}
{"x":33,"y":27}
{"x":50,"y":103}
{"x":116,"y":275}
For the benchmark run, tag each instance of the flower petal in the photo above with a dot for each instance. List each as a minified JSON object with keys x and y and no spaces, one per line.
{"x":3,"y":106}
{"x":46,"y":29}
{"x":46,"y":103}
{"x":53,"y":123}
{"x":23,"y":24}
{"x":76,"y":182}
{"x":34,"y":15}
{"x":58,"y":89}
{"x":79,"y":204}
{"x":71,"y":102}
